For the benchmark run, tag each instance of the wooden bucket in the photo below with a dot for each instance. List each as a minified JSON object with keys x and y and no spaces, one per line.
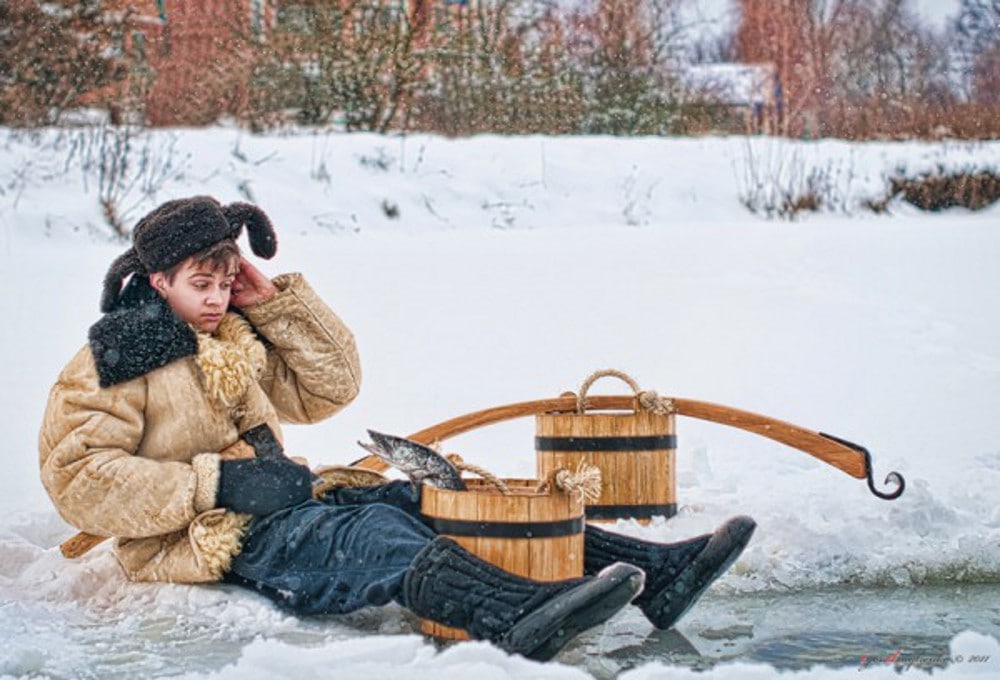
{"x":635,"y":452}
{"x":535,"y":534}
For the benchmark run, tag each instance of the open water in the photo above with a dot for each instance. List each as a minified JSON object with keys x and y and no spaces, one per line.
{"x":910,"y":628}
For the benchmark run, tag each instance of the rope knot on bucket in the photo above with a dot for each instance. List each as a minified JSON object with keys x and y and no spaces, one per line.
{"x":654,"y":403}
{"x":585,"y":483}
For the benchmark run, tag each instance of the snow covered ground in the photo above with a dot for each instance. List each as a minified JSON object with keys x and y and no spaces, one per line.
{"x":490,"y":270}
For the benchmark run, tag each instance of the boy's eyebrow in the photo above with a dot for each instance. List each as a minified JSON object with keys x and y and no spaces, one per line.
{"x":202,"y":272}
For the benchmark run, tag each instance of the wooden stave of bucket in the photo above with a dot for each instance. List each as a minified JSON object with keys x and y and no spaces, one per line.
{"x":635,"y":451}
{"x":542,"y":558}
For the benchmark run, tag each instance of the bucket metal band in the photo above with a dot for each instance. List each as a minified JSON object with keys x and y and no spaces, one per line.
{"x":477,"y":528}
{"x":630,"y":511}
{"x":653,"y":443}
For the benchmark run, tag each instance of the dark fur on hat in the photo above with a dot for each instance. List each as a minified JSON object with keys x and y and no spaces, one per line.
{"x":181,"y":228}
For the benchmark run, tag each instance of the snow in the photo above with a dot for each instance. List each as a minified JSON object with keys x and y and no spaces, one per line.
{"x":515,"y":268}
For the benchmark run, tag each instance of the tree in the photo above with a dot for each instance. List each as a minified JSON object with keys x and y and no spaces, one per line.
{"x":356,"y":58}
{"x":52,"y":55}
{"x":499,"y":67}
{"x":849,"y":67}
{"x":978,"y":38}
{"x":623,"y":51}
{"x":890,"y":72}
{"x":769,"y":33}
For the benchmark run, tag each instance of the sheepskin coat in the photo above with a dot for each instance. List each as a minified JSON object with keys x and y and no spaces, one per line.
{"x":130,"y":440}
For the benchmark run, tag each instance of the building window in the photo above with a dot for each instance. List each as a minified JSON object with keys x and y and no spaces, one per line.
{"x":257,"y":16}
{"x":139,"y":45}
{"x":294,"y":19}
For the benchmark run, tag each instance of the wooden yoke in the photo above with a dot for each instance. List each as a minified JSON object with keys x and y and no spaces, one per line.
{"x":851,"y":458}
{"x":841,"y":454}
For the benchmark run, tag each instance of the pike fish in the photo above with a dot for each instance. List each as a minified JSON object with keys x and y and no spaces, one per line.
{"x":422,"y":464}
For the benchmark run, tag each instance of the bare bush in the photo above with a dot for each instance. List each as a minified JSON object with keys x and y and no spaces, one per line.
{"x":775,"y":181}
{"x":939,"y":190}
{"x":127,"y":165}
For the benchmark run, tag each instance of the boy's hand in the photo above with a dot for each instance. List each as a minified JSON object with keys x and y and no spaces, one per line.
{"x":250,"y":287}
{"x":238,"y":450}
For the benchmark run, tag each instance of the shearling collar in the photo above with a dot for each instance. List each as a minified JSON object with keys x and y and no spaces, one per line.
{"x":230,"y":360}
{"x":142,"y":333}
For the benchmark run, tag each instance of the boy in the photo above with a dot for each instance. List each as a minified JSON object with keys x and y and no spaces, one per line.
{"x":200,"y":356}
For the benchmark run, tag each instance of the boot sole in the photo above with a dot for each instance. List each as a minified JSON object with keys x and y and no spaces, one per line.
{"x":544,"y":632}
{"x":723,"y":548}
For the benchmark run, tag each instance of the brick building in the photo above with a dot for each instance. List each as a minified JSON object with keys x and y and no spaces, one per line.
{"x":185,"y":54}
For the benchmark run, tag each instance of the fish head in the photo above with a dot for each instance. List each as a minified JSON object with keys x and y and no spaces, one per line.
{"x":402,"y":453}
{"x":388,"y":444}
{"x":421,"y":463}
{"x":372,"y":449}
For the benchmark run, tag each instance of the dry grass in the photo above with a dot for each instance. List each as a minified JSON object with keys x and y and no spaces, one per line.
{"x":934,"y":191}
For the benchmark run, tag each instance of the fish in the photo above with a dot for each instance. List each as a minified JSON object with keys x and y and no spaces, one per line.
{"x":422,"y":464}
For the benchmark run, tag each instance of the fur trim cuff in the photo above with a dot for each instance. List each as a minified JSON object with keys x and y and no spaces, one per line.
{"x":206,"y":468}
{"x":216,"y":537}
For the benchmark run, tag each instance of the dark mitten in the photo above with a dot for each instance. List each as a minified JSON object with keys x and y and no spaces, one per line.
{"x":260,"y":486}
{"x":263,"y":441}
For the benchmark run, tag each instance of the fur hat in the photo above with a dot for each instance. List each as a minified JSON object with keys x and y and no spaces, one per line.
{"x":177,"y":230}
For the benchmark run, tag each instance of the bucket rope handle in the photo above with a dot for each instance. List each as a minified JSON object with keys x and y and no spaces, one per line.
{"x":462,"y":466}
{"x":585,"y":483}
{"x":648,"y":400}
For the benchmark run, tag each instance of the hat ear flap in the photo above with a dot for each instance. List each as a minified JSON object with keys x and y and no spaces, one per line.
{"x":126,"y":263}
{"x":263,"y":240}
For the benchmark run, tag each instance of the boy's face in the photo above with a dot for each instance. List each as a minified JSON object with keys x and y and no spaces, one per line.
{"x":198,"y":295}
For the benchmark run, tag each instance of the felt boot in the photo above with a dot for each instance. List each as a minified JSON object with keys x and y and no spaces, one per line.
{"x":449,"y":585}
{"x":677,"y":574}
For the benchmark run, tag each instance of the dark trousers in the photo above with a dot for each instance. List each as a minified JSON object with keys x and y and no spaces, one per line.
{"x":352,"y":549}
{"x":334,"y":556}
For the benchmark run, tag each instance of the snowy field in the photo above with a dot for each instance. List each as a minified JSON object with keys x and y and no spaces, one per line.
{"x":491,"y":270}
